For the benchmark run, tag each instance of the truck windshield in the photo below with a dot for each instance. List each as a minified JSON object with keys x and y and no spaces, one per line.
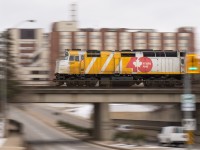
{"x":178,"y":130}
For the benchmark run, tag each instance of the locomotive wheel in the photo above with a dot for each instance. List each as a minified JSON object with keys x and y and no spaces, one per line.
{"x":71,"y":82}
{"x":148,"y":83}
{"x":161,"y":83}
{"x":59,"y":83}
{"x":91,"y":82}
{"x":172,"y":82}
{"x":81,"y":83}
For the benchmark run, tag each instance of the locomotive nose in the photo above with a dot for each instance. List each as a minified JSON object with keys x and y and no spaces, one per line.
{"x":63,"y":66}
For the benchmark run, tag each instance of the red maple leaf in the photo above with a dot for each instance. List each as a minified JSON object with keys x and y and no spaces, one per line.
{"x":131,"y":64}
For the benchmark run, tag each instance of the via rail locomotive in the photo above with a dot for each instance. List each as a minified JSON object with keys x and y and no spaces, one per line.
{"x":128,"y":67}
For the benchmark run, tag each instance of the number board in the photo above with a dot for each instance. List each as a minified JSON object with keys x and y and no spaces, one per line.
{"x":189,"y":124}
{"x":188,"y":102}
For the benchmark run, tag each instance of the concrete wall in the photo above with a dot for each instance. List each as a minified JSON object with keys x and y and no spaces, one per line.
{"x":172,"y":114}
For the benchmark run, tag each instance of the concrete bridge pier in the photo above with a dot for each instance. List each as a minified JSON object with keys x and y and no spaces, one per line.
{"x":102,"y":122}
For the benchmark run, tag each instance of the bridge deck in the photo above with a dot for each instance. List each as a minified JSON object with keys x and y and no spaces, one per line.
{"x":95,"y":95}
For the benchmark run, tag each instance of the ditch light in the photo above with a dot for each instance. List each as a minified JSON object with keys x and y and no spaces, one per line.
{"x":193,"y":68}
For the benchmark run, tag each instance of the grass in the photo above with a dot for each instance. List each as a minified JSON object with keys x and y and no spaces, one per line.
{"x":75,"y":127}
{"x":127,"y":136}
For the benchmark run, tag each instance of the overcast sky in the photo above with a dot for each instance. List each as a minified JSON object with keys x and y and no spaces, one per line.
{"x":162,"y":15}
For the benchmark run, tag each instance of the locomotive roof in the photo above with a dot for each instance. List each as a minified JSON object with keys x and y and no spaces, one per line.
{"x":135,"y":50}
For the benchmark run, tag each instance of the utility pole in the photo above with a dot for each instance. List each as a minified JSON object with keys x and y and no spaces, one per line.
{"x":188,"y":99}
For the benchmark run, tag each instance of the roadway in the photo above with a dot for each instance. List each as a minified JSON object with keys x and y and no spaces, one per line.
{"x":54,"y":115}
{"x":44,"y":137}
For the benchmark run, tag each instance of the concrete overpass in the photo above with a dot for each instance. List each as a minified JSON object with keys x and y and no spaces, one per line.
{"x":101,"y":98}
{"x":65,"y":95}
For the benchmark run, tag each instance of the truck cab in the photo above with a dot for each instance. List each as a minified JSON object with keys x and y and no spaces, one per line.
{"x":172,"y":135}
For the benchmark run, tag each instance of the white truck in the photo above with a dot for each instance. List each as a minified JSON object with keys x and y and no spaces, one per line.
{"x":172,"y":135}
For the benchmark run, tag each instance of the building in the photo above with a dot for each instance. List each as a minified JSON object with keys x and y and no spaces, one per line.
{"x":30,"y":49}
{"x":2,"y":55}
{"x":66,"y":35}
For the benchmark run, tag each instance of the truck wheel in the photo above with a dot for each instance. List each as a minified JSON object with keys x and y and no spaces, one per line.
{"x":160,"y":143}
{"x":169,"y":142}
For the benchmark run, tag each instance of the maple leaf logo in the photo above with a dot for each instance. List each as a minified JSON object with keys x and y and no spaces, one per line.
{"x":142,"y":64}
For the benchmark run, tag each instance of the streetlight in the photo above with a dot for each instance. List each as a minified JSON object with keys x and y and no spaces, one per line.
{"x":3,"y":103}
{"x":21,"y":22}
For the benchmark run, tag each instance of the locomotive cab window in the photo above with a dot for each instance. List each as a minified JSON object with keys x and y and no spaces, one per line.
{"x":76,"y":58}
{"x":71,"y":58}
{"x":82,"y":57}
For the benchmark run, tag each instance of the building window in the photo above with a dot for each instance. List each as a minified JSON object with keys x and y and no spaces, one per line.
{"x":65,"y":36}
{"x":140,"y":37}
{"x":80,"y":36}
{"x":66,"y":44}
{"x":125,"y":44}
{"x":94,"y":36}
{"x":80,"y":44}
{"x":109,"y":37}
{"x":183,"y":44}
{"x":140,"y":44}
{"x":26,"y":48}
{"x":154,"y":44}
{"x":169,"y":44}
{"x":34,"y":72}
{"x":169,"y":38}
{"x":36,"y":58}
{"x":184,"y":38}
{"x":39,"y":72}
{"x":39,"y":79}
{"x":36,"y":79}
{"x":110,"y":44}
{"x":27,"y":34}
{"x":154,"y":37}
